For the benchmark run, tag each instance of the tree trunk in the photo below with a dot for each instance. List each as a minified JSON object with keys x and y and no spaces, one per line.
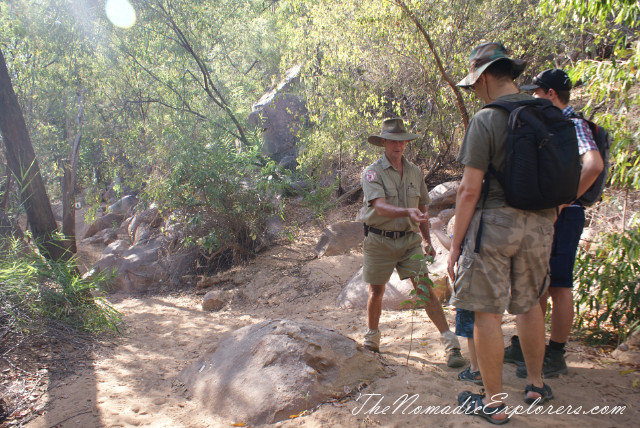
{"x":69,"y":180}
{"x":24,"y":166}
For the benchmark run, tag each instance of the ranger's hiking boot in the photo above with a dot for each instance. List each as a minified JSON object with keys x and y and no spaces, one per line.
{"x":454,"y":358}
{"x":513,"y":352}
{"x":554,"y":365}
{"x":372,"y":340}
{"x":452,"y":349}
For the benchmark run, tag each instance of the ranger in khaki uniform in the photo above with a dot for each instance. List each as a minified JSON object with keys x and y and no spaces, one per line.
{"x":395,"y":207}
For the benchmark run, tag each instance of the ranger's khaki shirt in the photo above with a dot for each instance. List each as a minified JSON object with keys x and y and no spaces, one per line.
{"x":382,"y":180}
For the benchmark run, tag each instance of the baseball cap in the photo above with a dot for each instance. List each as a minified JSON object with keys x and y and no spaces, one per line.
{"x":553,"y":78}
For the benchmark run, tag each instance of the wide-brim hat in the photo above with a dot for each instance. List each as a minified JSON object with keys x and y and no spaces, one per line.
{"x":485,"y":55}
{"x":392,"y":129}
{"x":553,"y":78}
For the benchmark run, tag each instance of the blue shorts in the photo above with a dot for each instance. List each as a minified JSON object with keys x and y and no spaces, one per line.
{"x":566,"y":238}
{"x":464,"y":323}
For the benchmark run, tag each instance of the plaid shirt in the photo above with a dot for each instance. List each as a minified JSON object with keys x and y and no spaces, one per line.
{"x":585,"y":137}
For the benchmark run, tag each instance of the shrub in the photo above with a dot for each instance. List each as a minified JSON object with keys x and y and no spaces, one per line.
{"x":34,"y":290}
{"x":608,"y":295}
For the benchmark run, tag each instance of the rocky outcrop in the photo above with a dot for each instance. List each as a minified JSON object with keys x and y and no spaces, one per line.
{"x":339,"y":238}
{"x":266,"y":372}
{"x":111,"y":220}
{"x":136,"y":269}
{"x":443,"y":196}
{"x":281,"y":116}
{"x":124,"y":205}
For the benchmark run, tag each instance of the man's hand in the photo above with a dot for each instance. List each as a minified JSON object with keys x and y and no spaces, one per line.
{"x":417,"y":216}
{"x":428,"y":249}
{"x":454,"y":255}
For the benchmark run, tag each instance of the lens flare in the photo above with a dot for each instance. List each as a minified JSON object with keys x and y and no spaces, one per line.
{"x":120,"y":13}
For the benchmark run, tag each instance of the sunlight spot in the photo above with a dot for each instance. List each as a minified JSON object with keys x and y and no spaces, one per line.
{"x":120,"y":13}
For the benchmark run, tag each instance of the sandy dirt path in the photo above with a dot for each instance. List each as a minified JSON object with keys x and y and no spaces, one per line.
{"x":132,"y":380}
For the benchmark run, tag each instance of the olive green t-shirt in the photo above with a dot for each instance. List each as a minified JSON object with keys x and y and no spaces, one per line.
{"x":485,"y":142}
{"x":382,"y":180}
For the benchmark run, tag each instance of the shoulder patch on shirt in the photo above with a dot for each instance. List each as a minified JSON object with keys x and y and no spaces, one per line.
{"x":370,"y":175}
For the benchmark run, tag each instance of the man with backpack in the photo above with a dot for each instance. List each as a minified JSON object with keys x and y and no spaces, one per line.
{"x":509,"y":266}
{"x":555,"y":85}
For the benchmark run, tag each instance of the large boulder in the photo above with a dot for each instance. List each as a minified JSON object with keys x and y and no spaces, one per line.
{"x":266,"y":372}
{"x":339,"y":238}
{"x":281,"y":116}
{"x":281,"y":120}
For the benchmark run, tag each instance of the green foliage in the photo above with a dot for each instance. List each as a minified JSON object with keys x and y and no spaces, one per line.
{"x":605,"y":60}
{"x":34,"y":291}
{"x":366,"y":60}
{"x":320,"y":200}
{"x":607,"y":298}
{"x":222,"y":194}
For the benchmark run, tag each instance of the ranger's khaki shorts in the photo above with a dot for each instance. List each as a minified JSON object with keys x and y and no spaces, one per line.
{"x":512,"y":268}
{"x":382,"y":255}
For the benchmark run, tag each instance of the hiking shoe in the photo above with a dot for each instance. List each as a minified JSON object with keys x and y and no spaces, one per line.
{"x":454,"y":358}
{"x":372,"y":340}
{"x":468,"y":376}
{"x":554,"y":365}
{"x":513,"y":353}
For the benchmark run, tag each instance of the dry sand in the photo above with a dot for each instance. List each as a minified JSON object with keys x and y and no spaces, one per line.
{"x":132,"y":381}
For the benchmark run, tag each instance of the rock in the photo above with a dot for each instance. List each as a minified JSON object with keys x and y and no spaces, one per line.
{"x":437,"y":229}
{"x":263,"y":373}
{"x":281,"y":116}
{"x":355,"y":294}
{"x":117,"y":247}
{"x":629,"y":351}
{"x":111,"y":220}
{"x":273,"y":228}
{"x":214,"y":300}
{"x":124,"y":205}
{"x":103,"y":237}
{"x":150,"y":216}
{"x":443,"y":196}
{"x":446,"y":215}
{"x":136,"y":270}
{"x":339,"y":238}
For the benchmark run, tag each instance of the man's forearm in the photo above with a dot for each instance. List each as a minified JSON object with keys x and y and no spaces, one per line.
{"x":387,"y":210}
{"x":592,"y":166}
{"x":424,"y":227}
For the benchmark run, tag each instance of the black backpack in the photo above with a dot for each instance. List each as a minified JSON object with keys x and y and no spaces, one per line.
{"x":542,"y":165}
{"x":601,"y":137}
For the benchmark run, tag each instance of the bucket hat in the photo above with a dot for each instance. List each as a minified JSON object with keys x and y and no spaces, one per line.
{"x":392,"y":129}
{"x":553,"y":78}
{"x":485,"y":55}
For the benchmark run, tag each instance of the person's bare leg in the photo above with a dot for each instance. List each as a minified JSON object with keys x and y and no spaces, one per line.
{"x":473,"y":357}
{"x":487,"y":335}
{"x":561,"y":313}
{"x":543,"y":304}
{"x":433,"y":307}
{"x":374,"y":305}
{"x":530,"y":326}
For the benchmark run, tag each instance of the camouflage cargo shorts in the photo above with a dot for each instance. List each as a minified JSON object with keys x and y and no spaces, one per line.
{"x":511,"y":271}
